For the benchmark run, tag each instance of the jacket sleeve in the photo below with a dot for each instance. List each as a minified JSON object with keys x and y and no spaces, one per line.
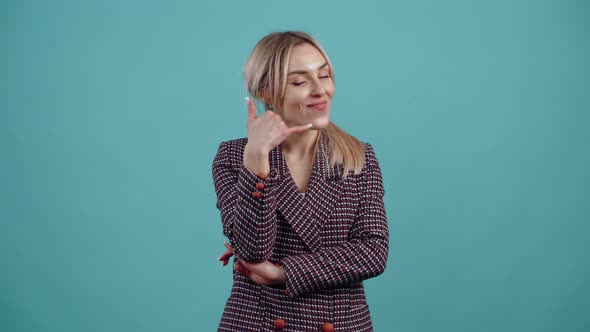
{"x":248,"y":222}
{"x":363,"y":256}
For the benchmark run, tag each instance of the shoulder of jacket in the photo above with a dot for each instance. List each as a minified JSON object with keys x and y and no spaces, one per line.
{"x":235,"y":143}
{"x":232,"y":149}
{"x":370,"y":156}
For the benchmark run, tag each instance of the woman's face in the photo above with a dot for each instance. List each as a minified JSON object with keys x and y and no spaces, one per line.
{"x":309,"y":91}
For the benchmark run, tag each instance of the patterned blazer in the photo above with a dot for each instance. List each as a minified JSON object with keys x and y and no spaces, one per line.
{"x":328,"y":241}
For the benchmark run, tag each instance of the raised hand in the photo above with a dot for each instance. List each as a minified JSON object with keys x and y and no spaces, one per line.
{"x":265,"y":132}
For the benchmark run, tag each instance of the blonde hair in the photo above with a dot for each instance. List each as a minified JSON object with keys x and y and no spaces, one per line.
{"x":265,"y":73}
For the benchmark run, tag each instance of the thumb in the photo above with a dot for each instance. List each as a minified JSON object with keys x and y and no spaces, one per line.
{"x":251,"y":109}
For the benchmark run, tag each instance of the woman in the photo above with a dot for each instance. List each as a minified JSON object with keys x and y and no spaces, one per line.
{"x":301,"y":201}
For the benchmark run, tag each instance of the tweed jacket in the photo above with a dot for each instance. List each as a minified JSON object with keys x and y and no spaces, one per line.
{"x":328,"y":241}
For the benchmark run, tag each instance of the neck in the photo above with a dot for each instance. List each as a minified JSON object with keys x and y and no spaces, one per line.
{"x":300,"y":145}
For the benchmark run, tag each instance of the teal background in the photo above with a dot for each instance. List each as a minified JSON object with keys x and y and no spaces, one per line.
{"x":112,"y":111}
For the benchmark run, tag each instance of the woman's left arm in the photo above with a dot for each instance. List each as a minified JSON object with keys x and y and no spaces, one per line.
{"x":363,"y":256}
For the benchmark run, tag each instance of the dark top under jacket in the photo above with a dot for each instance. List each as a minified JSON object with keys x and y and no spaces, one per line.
{"x":328,"y":241}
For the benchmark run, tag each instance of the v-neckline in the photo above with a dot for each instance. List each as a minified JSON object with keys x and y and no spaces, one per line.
{"x":306,"y":213}
{"x":312,"y":172}
{"x":291,"y":180}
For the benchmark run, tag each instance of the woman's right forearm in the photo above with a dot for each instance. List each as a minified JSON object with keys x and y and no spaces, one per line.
{"x":256,"y":159}
{"x":249,"y":219}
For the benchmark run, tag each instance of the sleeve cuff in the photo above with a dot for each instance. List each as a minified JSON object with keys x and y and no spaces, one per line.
{"x":254,"y":186}
{"x":293,"y":286}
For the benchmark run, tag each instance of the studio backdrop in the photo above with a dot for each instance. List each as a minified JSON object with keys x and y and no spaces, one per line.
{"x":112,"y":112}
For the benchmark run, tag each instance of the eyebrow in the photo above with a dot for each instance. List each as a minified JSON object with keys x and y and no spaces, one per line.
{"x":305,"y":71}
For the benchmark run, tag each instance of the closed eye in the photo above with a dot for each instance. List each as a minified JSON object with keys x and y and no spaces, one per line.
{"x":297,"y":83}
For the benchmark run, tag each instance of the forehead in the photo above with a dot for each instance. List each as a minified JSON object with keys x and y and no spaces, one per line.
{"x":305,"y":57}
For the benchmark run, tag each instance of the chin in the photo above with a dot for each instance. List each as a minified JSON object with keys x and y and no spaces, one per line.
{"x":320,"y":123}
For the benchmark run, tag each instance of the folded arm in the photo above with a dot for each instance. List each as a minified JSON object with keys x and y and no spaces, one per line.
{"x":362,"y":256}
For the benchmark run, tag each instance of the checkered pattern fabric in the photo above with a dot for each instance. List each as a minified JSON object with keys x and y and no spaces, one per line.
{"x":328,"y":241}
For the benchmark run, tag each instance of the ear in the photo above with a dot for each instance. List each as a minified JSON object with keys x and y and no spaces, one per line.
{"x":267,"y":104}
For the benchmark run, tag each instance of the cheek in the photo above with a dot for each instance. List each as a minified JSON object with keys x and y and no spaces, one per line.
{"x":329,"y":87}
{"x":294,"y":97}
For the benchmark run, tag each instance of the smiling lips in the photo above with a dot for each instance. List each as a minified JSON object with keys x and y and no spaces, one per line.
{"x":321,"y":106}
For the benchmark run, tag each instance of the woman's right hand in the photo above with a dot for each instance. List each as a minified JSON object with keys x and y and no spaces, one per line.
{"x":265,"y":132}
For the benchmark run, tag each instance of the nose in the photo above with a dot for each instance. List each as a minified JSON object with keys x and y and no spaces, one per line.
{"x":317,"y":88}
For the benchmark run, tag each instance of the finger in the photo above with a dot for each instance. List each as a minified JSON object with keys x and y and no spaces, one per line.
{"x":257,"y":268}
{"x":299,"y":129}
{"x":259,"y":279}
{"x":241,"y":269}
{"x":246,"y":265}
{"x":251,"y":109}
{"x":225,"y":256}
{"x":228,"y":247}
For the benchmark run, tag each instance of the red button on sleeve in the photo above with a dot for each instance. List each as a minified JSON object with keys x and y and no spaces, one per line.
{"x":280,"y":323}
{"x":328,"y":327}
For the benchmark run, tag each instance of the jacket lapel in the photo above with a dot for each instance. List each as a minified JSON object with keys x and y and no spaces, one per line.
{"x":307,"y":214}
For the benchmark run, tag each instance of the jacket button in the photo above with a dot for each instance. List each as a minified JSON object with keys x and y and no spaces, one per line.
{"x":262,"y":176}
{"x":280,"y":323}
{"x":328,"y":327}
{"x":256,"y":195}
{"x":260,"y":186}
